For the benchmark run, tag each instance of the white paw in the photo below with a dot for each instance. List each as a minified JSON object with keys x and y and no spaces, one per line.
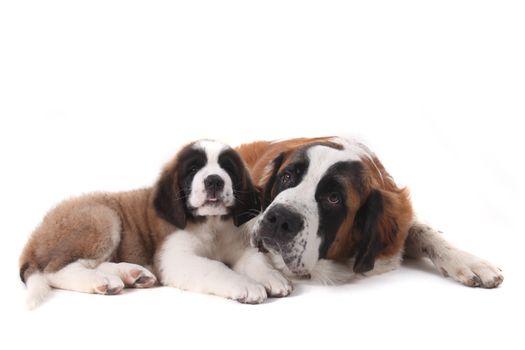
{"x":248,"y":293}
{"x":275,"y":283}
{"x":108,"y":285}
{"x":470,"y":270}
{"x":136,"y":276}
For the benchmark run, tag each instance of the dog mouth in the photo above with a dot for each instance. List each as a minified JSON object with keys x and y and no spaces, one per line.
{"x":268,"y":245}
{"x":213,"y":202}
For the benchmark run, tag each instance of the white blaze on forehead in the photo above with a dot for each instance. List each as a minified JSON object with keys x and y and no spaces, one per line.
{"x":212,"y":149}
{"x":321,"y":158}
{"x":198,"y":196}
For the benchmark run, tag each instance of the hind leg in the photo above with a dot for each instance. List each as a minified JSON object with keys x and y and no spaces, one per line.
{"x":81,"y":277}
{"x":133,"y":275}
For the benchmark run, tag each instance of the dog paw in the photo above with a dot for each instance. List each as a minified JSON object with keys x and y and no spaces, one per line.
{"x":109,"y":285}
{"x":136,"y":276}
{"x":248,"y":293}
{"x":471,"y":270}
{"x":275,"y":283}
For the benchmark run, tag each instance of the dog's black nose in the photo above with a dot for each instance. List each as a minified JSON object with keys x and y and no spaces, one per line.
{"x":282,"y":223}
{"x":213,"y":183}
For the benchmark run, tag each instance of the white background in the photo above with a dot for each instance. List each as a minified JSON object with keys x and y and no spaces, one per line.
{"x":96,"y":95}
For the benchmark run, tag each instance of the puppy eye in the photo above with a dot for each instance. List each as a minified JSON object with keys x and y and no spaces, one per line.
{"x":192,"y":170}
{"x":334,"y":198}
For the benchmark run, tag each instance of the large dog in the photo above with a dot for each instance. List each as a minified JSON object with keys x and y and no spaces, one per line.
{"x":331,"y":211}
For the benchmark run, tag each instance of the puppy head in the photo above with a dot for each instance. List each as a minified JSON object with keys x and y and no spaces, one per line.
{"x":206,"y":178}
{"x":330,"y":200}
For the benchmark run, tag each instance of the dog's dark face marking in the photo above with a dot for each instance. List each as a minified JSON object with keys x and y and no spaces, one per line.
{"x":191,"y":160}
{"x":207,"y":178}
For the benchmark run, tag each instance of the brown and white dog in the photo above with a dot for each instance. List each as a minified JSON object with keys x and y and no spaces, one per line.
{"x":332,"y":211}
{"x":187,"y":226}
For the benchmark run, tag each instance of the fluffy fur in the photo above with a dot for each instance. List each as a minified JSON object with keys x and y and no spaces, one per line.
{"x":101,"y":243}
{"x":368,"y":219}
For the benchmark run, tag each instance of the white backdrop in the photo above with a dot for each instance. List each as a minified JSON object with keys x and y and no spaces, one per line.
{"x":97,"y":95}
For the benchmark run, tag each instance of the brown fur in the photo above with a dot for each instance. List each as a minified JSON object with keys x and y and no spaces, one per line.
{"x":393,"y":223}
{"x":80,"y":228}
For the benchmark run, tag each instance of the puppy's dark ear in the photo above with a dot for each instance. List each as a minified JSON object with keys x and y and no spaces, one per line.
{"x":269,"y":181}
{"x":168,"y":198}
{"x":377,"y":228}
{"x":247,"y":203}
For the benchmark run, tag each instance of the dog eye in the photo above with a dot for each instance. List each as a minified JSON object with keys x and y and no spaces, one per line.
{"x":192,"y":170}
{"x":334,"y":198}
{"x":286,"y":178}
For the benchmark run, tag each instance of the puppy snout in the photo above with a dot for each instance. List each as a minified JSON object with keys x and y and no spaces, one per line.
{"x":282,"y":223}
{"x":213,"y":184}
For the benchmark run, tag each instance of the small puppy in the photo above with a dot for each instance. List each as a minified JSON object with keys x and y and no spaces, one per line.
{"x":99,"y":243}
{"x":208,"y":193}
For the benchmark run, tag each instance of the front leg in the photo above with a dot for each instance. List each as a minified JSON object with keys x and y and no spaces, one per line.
{"x":424,"y":241}
{"x":255,"y":265}
{"x":180,"y":266}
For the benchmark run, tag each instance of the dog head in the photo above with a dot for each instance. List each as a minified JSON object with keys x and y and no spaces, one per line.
{"x":330,"y":199}
{"x":206,"y":178}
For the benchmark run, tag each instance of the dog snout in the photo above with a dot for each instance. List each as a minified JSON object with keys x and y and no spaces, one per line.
{"x":213,"y":184}
{"x":282,"y":223}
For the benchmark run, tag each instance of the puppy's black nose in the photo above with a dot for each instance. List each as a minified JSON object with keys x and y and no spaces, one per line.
{"x":282,"y":223}
{"x":213,"y":184}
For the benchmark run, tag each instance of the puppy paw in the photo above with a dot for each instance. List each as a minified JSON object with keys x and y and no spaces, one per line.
{"x":109,"y":285}
{"x":470,"y":270}
{"x":137,"y":276}
{"x":248,"y":293}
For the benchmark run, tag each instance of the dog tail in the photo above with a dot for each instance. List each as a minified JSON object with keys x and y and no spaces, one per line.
{"x":37,"y":285}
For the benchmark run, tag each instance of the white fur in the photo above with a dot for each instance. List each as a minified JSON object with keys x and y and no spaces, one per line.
{"x":424,"y":241}
{"x":196,"y":259}
{"x":82,"y":276}
{"x":330,"y":272}
{"x":132,"y":275}
{"x":37,"y":290}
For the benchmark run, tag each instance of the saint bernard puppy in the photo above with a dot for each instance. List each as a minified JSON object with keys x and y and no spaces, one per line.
{"x":187,"y":226}
{"x":332,"y":211}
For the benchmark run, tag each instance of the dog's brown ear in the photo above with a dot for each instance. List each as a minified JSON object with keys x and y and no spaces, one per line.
{"x":169,"y":198}
{"x":377,"y":226}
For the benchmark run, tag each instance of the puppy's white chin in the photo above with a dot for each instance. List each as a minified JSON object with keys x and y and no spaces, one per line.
{"x":210,"y":210}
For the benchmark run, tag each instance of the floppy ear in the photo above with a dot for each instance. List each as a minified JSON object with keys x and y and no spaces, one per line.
{"x":377,"y":227}
{"x":168,"y":198}
{"x":247,"y":203}
{"x":270,"y":177}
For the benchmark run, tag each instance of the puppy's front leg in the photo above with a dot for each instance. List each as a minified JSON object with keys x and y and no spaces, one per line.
{"x":424,"y":241}
{"x":255,"y":265}
{"x":181,"y":266}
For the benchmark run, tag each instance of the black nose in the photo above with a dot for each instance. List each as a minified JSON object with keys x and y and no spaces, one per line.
{"x":213,"y":184}
{"x":282,"y":223}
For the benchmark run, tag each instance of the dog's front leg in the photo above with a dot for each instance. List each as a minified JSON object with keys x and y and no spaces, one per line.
{"x":424,"y":241}
{"x":181,"y":265}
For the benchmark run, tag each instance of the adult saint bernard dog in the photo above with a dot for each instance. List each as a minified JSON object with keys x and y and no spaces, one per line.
{"x":332,"y":211}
